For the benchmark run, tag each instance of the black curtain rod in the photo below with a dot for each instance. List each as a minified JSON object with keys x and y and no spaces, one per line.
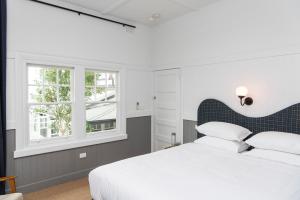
{"x":83,"y":13}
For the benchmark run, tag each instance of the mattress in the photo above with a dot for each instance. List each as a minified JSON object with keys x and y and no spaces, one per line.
{"x":194,"y":171}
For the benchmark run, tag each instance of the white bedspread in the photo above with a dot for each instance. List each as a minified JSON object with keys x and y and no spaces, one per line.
{"x":194,"y":171}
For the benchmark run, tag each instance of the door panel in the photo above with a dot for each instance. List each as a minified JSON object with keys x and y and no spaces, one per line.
{"x":164,"y":130}
{"x":166,"y":100}
{"x":166,"y":83}
{"x":166,"y":108}
{"x":165,"y":113}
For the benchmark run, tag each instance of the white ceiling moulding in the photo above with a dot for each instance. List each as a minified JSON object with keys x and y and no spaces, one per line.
{"x":83,"y":13}
{"x":289,"y":50}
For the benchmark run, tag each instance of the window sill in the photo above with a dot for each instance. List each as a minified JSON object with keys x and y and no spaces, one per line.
{"x":30,"y":151}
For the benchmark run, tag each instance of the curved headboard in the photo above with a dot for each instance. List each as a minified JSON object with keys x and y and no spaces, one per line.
{"x":286,"y":120}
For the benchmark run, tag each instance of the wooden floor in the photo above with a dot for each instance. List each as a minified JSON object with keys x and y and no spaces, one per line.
{"x":74,"y":190}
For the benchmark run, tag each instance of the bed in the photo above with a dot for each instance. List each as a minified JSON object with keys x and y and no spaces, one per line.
{"x":193,"y":171}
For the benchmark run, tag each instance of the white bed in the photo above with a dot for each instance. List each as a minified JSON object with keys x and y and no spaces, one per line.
{"x":194,"y":171}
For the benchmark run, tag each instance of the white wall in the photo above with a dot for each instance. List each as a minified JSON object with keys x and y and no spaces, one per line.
{"x":229,"y":29}
{"x":42,"y":30}
{"x":139,"y":89}
{"x":226,"y":44}
{"x":230,"y":43}
{"x":272,"y":82}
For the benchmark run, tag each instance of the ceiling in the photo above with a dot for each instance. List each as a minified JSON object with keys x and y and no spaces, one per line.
{"x":147,"y":12}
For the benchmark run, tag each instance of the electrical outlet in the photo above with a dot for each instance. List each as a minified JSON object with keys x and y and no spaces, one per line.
{"x":82,"y":155}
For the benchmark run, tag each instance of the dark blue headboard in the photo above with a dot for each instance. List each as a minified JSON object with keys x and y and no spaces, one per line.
{"x":286,"y":120}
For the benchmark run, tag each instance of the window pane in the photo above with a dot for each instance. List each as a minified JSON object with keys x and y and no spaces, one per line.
{"x":50,"y":76}
{"x":50,"y":94}
{"x":64,"y":93}
{"x":35,"y":75}
{"x":111,"y":94}
{"x":64,"y":76}
{"x":89,"y":91}
{"x":111,"y":79}
{"x":100,"y":117}
{"x":89,"y":78}
{"x":99,"y":94}
{"x":101,"y":79}
{"x":35,"y":94}
{"x":49,"y":121}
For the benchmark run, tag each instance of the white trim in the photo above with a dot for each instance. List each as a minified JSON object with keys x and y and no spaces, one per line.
{"x":29,"y":151}
{"x":260,"y":54}
{"x":175,"y":123}
{"x":190,"y":116}
{"x":180,"y":105}
{"x":139,"y":113}
{"x":12,"y":123}
{"x":80,"y":61}
{"x":78,"y":137}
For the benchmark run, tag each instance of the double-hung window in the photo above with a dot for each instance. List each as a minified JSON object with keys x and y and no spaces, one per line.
{"x":49,"y":102}
{"x":63,"y":106}
{"x":101,"y":99}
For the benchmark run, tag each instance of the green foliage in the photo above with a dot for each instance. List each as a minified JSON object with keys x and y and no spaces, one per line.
{"x":62,"y":119}
{"x":64,"y":76}
{"x":40,"y":110}
{"x":89,"y":78}
{"x":50,"y":75}
{"x":50,"y":94}
{"x":64,"y":93}
{"x":61,"y":113}
{"x":89,"y":92}
{"x":39,"y":95}
{"x":90,"y":84}
{"x":89,"y":127}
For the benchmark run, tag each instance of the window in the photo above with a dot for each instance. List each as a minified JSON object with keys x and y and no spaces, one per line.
{"x":62,"y":106}
{"x":49,"y":102}
{"x":100,"y":101}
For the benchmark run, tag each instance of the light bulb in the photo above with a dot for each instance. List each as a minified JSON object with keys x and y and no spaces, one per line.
{"x":241,"y":91}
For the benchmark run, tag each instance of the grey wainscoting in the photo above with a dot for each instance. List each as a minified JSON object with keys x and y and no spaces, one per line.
{"x":39,"y":171}
{"x":189,"y":132}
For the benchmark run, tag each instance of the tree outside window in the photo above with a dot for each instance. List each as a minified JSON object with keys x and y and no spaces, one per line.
{"x":49,"y":97}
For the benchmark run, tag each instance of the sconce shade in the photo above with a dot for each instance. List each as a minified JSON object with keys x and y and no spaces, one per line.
{"x":241,"y":91}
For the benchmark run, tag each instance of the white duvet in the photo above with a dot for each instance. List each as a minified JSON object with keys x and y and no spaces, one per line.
{"x":194,"y":171}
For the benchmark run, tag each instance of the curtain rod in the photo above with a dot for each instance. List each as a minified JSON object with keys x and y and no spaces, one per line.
{"x":83,"y":13}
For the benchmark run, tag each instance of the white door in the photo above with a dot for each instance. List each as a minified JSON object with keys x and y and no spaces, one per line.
{"x":166,"y":108}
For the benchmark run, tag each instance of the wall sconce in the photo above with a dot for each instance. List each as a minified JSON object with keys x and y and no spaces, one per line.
{"x":242,"y":92}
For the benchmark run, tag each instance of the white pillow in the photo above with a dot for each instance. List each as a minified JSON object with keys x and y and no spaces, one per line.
{"x":224,"y":130}
{"x":233,"y":146}
{"x":288,"y":158}
{"x":277,"y":141}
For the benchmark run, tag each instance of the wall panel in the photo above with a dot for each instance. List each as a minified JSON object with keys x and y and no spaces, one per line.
{"x":39,"y":171}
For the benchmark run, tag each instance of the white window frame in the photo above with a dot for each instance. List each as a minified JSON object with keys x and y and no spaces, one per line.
{"x":118,"y":100}
{"x":46,"y":141}
{"x":79,"y":138}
